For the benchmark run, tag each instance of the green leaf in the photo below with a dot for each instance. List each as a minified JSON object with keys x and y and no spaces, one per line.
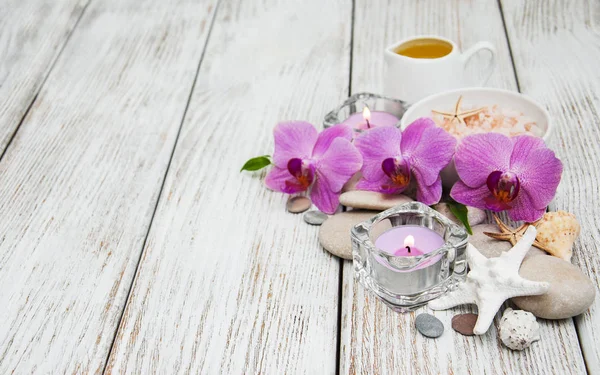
{"x":256,"y":163}
{"x":461,"y":212}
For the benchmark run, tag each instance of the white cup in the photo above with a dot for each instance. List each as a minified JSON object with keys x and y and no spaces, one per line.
{"x":411,"y":79}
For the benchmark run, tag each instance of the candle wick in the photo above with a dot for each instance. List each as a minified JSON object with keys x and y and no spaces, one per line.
{"x":408,"y":248}
{"x":368,"y":125}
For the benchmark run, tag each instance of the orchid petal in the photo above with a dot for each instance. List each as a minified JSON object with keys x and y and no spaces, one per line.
{"x":322,"y":196}
{"x":428,"y":194}
{"x":523,"y":146}
{"x":524,"y":208}
{"x":432,"y":154}
{"x":376,"y":145}
{"x":469,"y":196}
{"x":479,"y":155}
{"x":328,"y":135}
{"x":278,"y":179}
{"x":411,"y":136}
{"x":539,"y":176}
{"x":294,"y":139}
{"x":338,"y":164}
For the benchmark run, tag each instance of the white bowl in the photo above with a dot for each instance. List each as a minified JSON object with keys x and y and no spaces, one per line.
{"x":478,"y":97}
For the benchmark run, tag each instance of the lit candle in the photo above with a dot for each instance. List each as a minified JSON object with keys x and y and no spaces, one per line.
{"x":370,"y":119}
{"x":415,"y":240}
{"x":408,"y":248}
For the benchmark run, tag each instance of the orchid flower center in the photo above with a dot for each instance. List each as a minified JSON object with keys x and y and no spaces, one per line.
{"x":398,"y":170}
{"x":504,"y":187}
{"x":303,"y":173}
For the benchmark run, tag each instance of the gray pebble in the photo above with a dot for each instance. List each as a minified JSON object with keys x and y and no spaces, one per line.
{"x":429,"y":326}
{"x":298,"y":204}
{"x":315,"y":217}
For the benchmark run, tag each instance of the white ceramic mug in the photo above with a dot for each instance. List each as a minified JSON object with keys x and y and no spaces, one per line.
{"x":411,"y":79}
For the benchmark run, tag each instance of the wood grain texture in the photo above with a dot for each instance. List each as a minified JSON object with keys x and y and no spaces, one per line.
{"x":556,"y":51}
{"x":82,"y":177}
{"x":32,"y":33}
{"x":376,"y":340}
{"x":229,"y":281}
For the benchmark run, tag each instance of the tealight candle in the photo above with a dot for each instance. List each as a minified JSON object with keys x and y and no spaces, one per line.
{"x":363,"y":111}
{"x":409,"y":255}
{"x":409,"y":240}
{"x":370,"y":119}
{"x":401,"y":241}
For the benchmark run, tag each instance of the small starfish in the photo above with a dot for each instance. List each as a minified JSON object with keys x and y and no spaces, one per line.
{"x":514,"y":235}
{"x":492,"y":281}
{"x":459,"y":115}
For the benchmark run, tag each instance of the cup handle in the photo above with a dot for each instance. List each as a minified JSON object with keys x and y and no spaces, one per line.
{"x":477,"y":47}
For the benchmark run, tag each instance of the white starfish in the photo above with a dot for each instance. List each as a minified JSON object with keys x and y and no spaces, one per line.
{"x":492,"y":281}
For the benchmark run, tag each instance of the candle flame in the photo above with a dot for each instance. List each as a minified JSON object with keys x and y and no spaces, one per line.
{"x":366,"y":114}
{"x":409,"y":241}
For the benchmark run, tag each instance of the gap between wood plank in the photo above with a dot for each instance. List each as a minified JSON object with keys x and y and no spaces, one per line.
{"x":52,"y":65}
{"x":510,"y":52}
{"x":187,"y":105}
{"x":338,"y":353}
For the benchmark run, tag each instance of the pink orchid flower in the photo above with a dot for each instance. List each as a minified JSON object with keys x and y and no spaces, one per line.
{"x":392,"y":159}
{"x":498,"y":173}
{"x":304,"y":158}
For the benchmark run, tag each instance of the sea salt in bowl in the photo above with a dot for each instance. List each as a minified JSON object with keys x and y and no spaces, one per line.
{"x":528,"y":116}
{"x":510,"y":102}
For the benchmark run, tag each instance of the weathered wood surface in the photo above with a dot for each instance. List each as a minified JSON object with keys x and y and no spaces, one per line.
{"x":376,"y":340}
{"x":556,"y":52}
{"x":32,"y":34}
{"x":82,"y":176}
{"x":229,"y":281}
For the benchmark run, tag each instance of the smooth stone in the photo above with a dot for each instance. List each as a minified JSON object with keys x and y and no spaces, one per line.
{"x":560,"y":302}
{"x":315,"y":217}
{"x":429,"y":326}
{"x":492,"y":248}
{"x":464,"y":324}
{"x":334,"y":234}
{"x":298,"y":204}
{"x":475,"y":215}
{"x":571,"y":292}
{"x":371,"y":200}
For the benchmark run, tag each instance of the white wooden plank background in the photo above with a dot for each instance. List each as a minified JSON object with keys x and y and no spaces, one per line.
{"x":81,"y":179}
{"x":32,"y":33}
{"x":556,"y":52}
{"x":229,"y":281}
{"x":374,"y":338}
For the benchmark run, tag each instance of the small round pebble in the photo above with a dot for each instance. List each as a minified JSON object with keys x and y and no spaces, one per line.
{"x":298,"y":204}
{"x":464,"y":324}
{"x":315,"y":217}
{"x":429,"y":326}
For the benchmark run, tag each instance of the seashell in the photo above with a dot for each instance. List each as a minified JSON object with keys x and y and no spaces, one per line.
{"x":557,"y":231}
{"x":518,"y":329}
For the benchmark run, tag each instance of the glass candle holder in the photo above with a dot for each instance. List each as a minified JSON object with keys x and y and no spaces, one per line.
{"x":356,"y":104}
{"x":404,"y":281}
